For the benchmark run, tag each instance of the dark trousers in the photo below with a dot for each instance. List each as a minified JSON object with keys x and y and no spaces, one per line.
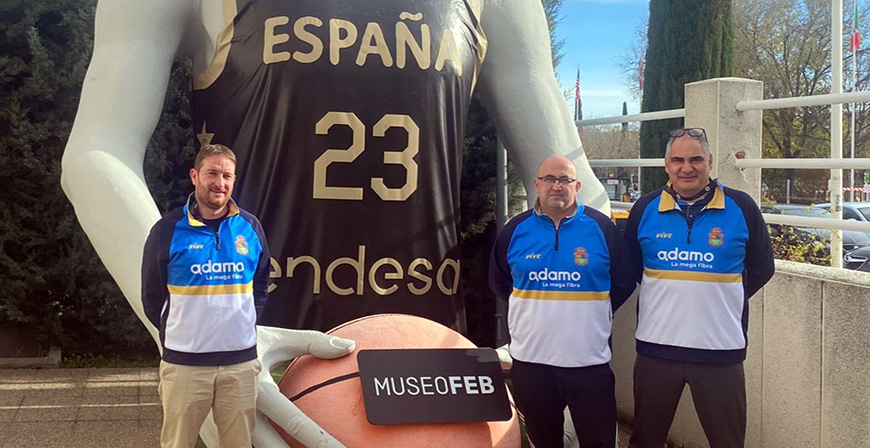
{"x":718,"y":390}
{"x":541,"y":393}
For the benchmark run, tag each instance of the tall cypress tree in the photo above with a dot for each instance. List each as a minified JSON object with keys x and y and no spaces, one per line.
{"x":688,"y":41}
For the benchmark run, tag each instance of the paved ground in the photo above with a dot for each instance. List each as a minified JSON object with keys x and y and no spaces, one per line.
{"x":86,"y":408}
{"x":94,"y":408}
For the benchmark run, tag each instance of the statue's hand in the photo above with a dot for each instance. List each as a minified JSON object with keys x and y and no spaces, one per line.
{"x":504,"y":357}
{"x":277,"y":345}
{"x":569,"y":435}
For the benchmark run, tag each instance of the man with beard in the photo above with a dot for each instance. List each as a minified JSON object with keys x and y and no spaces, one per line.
{"x":205,"y":274}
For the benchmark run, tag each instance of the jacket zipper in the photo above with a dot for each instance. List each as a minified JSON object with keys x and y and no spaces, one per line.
{"x":217,"y":236}
{"x":689,"y":223}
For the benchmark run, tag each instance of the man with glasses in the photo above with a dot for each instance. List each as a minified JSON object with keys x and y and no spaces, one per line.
{"x":559,"y":268}
{"x":699,"y":250}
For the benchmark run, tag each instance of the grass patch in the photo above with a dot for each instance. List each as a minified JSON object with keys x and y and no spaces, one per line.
{"x":279,"y":370}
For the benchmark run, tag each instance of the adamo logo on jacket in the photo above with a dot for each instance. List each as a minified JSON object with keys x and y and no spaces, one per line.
{"x":216,"y":268}
{"x":554,"y":276}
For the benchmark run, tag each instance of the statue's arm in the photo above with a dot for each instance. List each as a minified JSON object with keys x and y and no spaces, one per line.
{"x":135,"y":44}
{"x":521,"y":93}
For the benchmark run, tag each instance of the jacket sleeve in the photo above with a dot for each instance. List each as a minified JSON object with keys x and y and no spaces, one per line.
{"x":501,"y":283}
{"x":622,"y":279}
{"x":500,"y":280}
{"x":264,"y":268}
{"x":622,"y":283}
{"x":758,"y":265}
{"x":634,"y":254}
{"x":154,"y":277}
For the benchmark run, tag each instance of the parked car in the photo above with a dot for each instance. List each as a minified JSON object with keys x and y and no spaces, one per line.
{"x":859,"y":211}
{"x":852,"y":240}
{"x":808,"y":211}
{"x":857,"y":259}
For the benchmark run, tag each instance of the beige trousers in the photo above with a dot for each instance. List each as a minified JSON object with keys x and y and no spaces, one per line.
{"x":189,"y":392}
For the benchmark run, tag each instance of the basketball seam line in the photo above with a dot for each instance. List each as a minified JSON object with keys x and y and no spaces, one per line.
{"x":337,"y":379}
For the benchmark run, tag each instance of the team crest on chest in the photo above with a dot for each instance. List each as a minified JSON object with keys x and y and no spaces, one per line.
{"x":581,"y":258}
{"x":716,"y":238}
{"x":241,"y":245}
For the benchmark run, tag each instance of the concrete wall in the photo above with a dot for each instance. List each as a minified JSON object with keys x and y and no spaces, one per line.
{"x":807,"y":367}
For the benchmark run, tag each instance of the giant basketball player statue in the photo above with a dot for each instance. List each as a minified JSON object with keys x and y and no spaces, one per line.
{"x":348,"y":121}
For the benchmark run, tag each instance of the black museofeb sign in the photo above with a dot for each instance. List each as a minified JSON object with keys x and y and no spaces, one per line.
{"x":433,"y":386}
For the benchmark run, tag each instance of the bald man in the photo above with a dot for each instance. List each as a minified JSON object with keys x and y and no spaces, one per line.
{"x":557,"y":266}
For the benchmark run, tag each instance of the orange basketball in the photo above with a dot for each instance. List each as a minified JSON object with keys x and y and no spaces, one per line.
{"x":339,"y":409}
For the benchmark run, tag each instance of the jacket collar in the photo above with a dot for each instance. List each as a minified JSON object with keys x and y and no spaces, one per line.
{"x":578,"y":208}
{"x":667,"y":202}
{"x":190,"y":205}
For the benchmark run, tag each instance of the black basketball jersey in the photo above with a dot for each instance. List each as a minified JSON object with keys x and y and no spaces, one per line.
{"x":348,"y":118}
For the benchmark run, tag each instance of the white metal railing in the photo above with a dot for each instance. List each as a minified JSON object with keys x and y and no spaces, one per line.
{"x":628,"y":162}
{"x":646,"y":116}
{"x":819,"y":223}
{"x":803,"y":101}
{"x":804,"y":164}
{"x":833,"y":163}
{"x":789,"y":220}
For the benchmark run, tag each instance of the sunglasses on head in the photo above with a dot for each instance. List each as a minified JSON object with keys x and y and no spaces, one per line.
{"x":692,"y":132}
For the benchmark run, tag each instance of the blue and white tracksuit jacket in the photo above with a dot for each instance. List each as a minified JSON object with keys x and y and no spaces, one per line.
{"x":562,"y":286}
{"x":204,"y":289}
{"x":697,"y":276}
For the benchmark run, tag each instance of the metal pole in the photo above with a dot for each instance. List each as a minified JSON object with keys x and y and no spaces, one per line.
{"x":836,"y":183}
{"x":852,"y":141}
{"x":501,"y":212}
{"x":501,"y":192}
{"x":852,"y":105}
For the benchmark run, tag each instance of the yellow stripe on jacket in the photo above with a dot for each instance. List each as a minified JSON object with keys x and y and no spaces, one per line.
{"x":693,"y":276}
{"x":204,"y":290}
{"x":575,"y":296}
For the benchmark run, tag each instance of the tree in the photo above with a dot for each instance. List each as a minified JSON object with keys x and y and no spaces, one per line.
{"x":629,"y":62}
{"x":552,"y":8}
{"x":787,"y":46}
{"x":52,"y":280}
{"x":688,"y":41}
{"x":611,"y":142}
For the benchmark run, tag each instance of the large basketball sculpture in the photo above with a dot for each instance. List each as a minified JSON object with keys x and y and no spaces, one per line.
{"x":348,"y":118}
{"x":338,"y":406}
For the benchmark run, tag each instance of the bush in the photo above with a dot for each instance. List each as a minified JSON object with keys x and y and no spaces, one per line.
{"x":795,"y":245}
